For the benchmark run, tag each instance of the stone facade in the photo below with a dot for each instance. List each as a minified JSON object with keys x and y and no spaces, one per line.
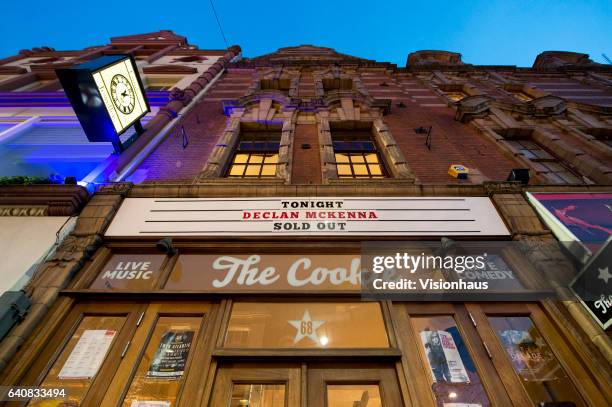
{"x":554,"y":119}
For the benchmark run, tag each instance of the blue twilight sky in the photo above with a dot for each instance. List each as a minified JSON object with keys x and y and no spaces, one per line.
{"x":485,"y":31}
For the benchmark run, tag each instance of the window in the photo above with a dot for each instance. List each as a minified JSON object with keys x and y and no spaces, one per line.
{"x":600,"y":134}
{"x":454,"y":378}
{"x":356,"y":155}
{"x":534,"y":362}
{"x":306,"y":325}
{"x":275,"y":84}
{"x":337,"y":84}
{"x":256,"y":155}
{"x":456,"y":96}
{"x":522,"y":96}
{"x":546,"y":163}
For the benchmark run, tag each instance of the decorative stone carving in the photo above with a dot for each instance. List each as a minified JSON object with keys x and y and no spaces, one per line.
{"x":559,"y":59}
{"x":433,"y":57}
{"x":547,"y":106}
{"x":115,"y":188}
{"x":472,"y":106}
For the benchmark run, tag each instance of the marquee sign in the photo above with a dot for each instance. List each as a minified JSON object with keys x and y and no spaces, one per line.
{"x":354,"y":216}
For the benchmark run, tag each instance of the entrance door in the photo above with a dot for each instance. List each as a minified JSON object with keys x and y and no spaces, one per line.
{"x":85,"y":352}
{"x":242,"y":385}
{"x":353,"y":385}
{"x":445,"y":359}
{"x":531,"y":355}
{"x":164,"y":364}
{"x":312,"y":385}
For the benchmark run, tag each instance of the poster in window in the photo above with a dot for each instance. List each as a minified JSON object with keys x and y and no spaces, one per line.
{"x":171,"y":355}
{"x":530,"y":358}
{"x":444,"y":358}
{"x":87,"y":355}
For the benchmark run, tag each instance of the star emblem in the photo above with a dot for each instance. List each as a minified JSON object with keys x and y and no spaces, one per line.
{"x":306,"y":328}
{"x":604,"y":274}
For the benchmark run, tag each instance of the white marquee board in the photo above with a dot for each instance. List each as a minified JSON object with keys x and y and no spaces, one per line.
{"x":308,"y":216}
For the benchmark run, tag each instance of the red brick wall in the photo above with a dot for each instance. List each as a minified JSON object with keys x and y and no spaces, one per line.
{"x":452,"y":143}
{"x":170,"y":161}
{"x":306,"y":163}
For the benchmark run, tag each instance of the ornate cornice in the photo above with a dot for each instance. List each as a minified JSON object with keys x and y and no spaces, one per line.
{"x":43,"y":200}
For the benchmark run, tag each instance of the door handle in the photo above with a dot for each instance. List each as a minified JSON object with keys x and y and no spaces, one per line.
{"x":487,"y":349}
{"x":140,"y":318}
{"x":127,"y":345}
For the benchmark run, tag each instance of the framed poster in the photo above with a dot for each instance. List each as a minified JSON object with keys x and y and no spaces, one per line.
{"x":444,"y":358}
{"x":171,"y":355}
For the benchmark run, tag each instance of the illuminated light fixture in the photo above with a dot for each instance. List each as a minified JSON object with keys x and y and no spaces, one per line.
{"x":452,"y":395}
{"x":324,"y":340}
{"x":107,"y":96}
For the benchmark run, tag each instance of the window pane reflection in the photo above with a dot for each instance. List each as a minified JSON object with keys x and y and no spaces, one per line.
{"x":306,"y":325}
{"x":534,"y":362}
{"x":162,"y":368}
{"x":453,"y":374}
{"x":353,"y":395}
{"x":77,"y":387}
{"x":258,"y":395}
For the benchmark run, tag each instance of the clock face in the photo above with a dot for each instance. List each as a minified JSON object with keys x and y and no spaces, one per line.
{"x":122,"y":93}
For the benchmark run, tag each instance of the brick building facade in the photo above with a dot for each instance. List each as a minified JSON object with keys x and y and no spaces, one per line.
{"x":309,"y":125}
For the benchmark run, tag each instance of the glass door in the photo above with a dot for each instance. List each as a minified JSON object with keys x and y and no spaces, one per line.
{"x":166,"y":350}
{"x":265,"y":385}
{"x":531,"y":354}
{"x":84,"y":353}
{"x":353,"y":385}
{"x":446,"y":361}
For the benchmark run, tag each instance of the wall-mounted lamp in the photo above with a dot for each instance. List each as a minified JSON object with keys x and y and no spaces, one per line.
{"x":425,"y":130}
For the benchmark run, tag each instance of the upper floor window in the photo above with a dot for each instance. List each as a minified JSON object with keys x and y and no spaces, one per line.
{"x":275,"y":84}
{"x":551,"y":167}
{"x":356,"y":154}
{"x":256,"y":155}
{"x":337,"y":84}
{"x":456,"y":96}
{"x":522,"y":96}
{"x":454,"y":91}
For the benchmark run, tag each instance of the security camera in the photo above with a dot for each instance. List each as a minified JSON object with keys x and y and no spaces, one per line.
{"x":165,"y":246}
{"x":446,"y":245}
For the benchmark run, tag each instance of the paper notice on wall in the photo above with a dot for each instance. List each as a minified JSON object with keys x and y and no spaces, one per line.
{"x":171,"y":355}
{"x":443,"y":357}
{"x":149,"y":403}
{"x":88,"y":354}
